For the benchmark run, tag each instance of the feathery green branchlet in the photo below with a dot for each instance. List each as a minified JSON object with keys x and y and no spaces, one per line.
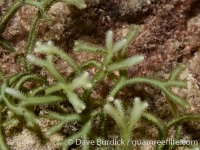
{"x":108,"y":52}
{"x":68,"y":88}
{"x":81,"y":46}
{"x":50,"y":49}
{"x":8,"y":15}
{"x":18,"y":110}
{"x":43,"y":6}
{"x":164,"y":85}
{"x":29,"y":100}
{"x":129,"y":37}
{"x":126,"y":126}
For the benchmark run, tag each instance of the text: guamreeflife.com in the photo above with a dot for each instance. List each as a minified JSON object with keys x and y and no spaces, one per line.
{"x":118,"y":142}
